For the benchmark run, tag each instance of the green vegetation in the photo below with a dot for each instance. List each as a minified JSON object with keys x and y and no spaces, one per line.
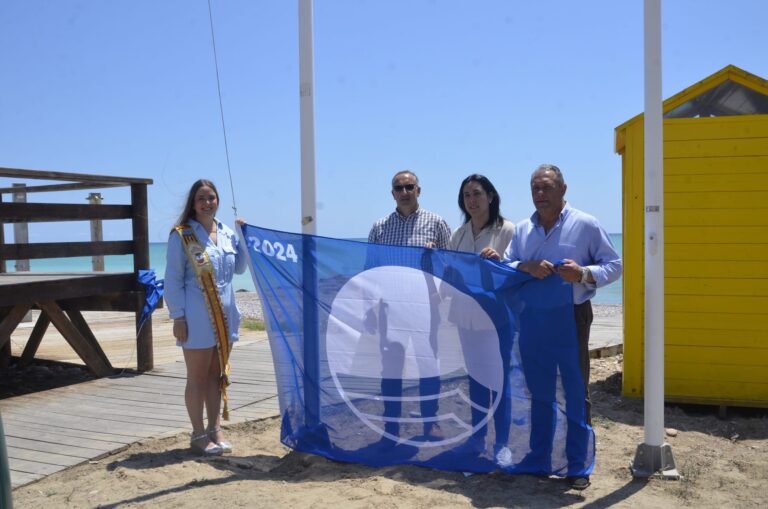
{"x":690,"y":472}
{"x":251,"y":324}
{"x":602,"y":421}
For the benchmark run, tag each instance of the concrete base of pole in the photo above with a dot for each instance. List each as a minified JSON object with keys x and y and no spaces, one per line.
{"x":654,"y":461}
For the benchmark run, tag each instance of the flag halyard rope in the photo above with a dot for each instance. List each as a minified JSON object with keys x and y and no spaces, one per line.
{"x":221,"y":107}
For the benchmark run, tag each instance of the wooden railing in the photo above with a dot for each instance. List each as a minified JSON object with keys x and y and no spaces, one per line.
{"x":111,"y":292}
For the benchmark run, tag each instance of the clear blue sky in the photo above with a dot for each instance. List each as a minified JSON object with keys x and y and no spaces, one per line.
{"x":442,"y":87}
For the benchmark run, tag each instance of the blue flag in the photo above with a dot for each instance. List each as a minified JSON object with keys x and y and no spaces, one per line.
{"x":386,"y":355}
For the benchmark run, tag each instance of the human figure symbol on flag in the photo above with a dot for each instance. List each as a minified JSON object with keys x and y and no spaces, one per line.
{"x":384,"y":343}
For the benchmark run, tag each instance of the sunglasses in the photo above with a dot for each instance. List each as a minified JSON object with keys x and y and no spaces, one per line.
{"x":407,"y":187}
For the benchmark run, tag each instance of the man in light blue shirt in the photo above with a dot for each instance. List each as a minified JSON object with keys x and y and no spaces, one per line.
{"x":559,"y":240}
{"x":558,"y":232}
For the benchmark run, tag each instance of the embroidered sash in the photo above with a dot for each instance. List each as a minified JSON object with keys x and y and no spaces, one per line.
{"x":201,"y":264}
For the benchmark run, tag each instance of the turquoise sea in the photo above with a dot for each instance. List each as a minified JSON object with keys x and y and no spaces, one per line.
{"x":124,"y":263}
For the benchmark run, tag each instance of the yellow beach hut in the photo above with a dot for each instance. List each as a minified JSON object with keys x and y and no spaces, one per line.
{"x":715,"y":242}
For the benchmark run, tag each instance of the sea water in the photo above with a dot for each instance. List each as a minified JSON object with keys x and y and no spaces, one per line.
{"x":610,"y":294}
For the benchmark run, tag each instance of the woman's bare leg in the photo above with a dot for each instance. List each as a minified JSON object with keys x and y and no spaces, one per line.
{"x":198,"y":363}
{"x":213,"y":395}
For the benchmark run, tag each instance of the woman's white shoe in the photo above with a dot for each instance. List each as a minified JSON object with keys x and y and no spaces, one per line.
{"x":226,"y":447}
{"x":207,"y":448}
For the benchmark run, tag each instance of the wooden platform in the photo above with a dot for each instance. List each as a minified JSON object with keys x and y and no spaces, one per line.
{"x":62,"y":298}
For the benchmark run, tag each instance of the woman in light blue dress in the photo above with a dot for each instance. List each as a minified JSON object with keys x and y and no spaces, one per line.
{"x":191,"y":321}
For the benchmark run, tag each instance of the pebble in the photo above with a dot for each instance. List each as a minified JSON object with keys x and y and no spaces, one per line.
{"x":607,"y":310}
{"x":249,"y":305}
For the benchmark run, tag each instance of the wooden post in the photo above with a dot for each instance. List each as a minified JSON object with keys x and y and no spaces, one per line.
{"x":21,"y":236}
{"x":140,"y":223}
{"x":97,"y":235}
{"x":9,"y":320}
{"x":20,"y":230}
{"x":3,"y":268}
{"x":5,"y":352}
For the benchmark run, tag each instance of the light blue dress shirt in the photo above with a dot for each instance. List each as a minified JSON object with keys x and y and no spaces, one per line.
{"x":182,"y":291}
{"x":576,"y":236}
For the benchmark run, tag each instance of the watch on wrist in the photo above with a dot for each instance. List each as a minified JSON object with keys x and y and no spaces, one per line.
{"x":584,"y":275}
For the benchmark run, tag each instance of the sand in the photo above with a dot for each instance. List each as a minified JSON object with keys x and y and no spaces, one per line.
{"x":724,"y":463}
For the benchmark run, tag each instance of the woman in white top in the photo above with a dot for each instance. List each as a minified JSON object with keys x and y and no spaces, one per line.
{"x":487,"y":233}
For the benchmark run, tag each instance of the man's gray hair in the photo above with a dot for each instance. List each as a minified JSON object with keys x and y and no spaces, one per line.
{"x":402,"y":172}
{"x":550,"y":167}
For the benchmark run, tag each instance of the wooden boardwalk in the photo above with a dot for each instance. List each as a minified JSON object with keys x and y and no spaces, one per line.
{"x":606,"y":337}
{"x":52,"y":430}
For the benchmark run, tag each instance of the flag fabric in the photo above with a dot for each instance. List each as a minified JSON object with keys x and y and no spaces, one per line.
{"x":386,"y":355}
{"x":153,"y":292}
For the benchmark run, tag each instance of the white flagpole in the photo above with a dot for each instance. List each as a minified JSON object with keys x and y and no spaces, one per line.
{"x":307,"y":119}
{"x":654,"y":457}
{"x":310,"y":328}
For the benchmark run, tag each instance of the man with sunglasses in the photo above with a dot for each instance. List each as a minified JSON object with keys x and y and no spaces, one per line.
{"x":410,"y":225}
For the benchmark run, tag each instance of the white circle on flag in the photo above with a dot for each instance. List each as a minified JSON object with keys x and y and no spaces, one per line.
{"x":399,"y":322}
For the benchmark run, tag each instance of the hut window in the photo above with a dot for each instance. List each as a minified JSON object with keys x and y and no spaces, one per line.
{"x":727,"y":99}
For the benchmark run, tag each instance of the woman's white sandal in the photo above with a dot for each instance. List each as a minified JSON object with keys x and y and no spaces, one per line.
{"x":207,"y":450}
{"x":226,"y":447}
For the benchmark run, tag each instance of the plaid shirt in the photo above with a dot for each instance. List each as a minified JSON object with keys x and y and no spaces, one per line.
{"x":415,"y":230}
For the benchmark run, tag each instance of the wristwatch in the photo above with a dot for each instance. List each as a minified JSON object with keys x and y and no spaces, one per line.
{"x":584,"y":275}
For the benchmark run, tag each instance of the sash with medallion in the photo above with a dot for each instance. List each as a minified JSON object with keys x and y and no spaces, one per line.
{"x":201,"y":264}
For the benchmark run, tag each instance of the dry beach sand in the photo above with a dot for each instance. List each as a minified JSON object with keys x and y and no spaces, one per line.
{"x":724,"y":463}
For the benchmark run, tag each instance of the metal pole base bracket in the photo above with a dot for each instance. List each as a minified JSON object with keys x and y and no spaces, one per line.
{"x":654,"y":461}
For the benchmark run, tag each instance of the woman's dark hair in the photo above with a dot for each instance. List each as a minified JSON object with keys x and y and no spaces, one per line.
{"x":189,"y":208}
{"x":494,"y":216}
